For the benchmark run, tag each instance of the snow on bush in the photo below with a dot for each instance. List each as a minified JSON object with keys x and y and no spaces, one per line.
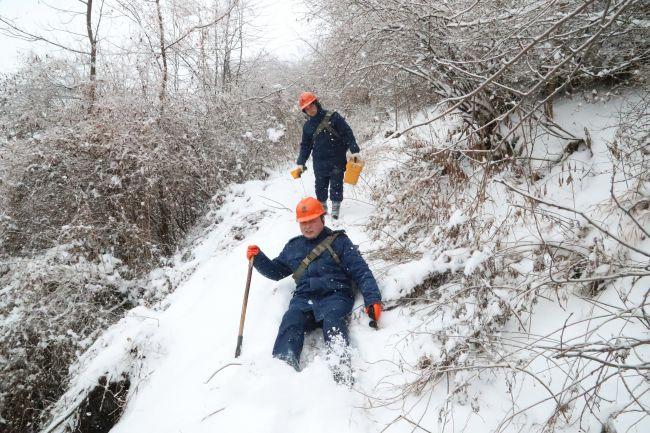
{"x":504,"y":237}
{"x":91,"y":202}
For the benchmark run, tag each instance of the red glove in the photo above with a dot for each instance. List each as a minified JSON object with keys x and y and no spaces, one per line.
{"x":252,"y":251}
{"x":374,"y":311}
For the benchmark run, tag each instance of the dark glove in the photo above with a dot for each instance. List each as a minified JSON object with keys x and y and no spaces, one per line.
{"x":252,"y":251}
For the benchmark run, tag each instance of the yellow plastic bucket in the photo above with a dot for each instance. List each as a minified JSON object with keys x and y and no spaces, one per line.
{"x":353,"y":171}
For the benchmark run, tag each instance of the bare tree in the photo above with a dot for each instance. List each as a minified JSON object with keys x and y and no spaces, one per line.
{"x":14,"y":30}
{"x":92,"y":40}
{"x":163,"y":55}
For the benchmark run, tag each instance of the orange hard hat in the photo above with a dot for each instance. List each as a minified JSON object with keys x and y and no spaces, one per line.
{"x":305,"y":99}
{"x":308,"y":209}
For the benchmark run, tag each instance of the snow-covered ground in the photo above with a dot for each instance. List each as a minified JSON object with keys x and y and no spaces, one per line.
{"x":181,"y":346}
{"x":180,"y":354}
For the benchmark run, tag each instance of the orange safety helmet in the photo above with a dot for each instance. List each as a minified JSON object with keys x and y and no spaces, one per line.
{"x":305,"y":99}
{"x":308,"y":209}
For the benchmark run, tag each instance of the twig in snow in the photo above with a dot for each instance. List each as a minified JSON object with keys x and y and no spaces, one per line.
{"x":281,"y":206}
{"x":215,"y":373}
{"x":415,"y":425}
{"x":213,"y":413}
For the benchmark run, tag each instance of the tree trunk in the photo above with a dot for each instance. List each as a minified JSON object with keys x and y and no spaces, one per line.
{"x":93,"y":53}
{"x":240,"y":29}
{"x":163,"y":54}
{"x":227,"y":52}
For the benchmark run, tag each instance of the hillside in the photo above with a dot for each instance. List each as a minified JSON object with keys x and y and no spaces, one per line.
{"x":473,"y":336}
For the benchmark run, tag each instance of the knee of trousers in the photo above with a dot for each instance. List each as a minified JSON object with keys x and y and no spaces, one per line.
{"x":293,"y":320}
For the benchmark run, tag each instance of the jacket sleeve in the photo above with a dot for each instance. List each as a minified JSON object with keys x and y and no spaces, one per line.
{"x":342,"y":127}
{"x":357,"y":268}
{"x":305,"y":147}
{"x":275,"y":269}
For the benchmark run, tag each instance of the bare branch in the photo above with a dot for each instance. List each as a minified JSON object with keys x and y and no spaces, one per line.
{"x":577,"y":212}
{"x":19,"y":33}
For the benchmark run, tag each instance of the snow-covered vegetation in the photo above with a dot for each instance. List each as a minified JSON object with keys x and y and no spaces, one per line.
{"x":504,"y":209}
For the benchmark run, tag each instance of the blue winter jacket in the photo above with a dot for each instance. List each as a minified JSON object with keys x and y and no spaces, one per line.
{"x":328,"y":151}
{"x":324,"y":281}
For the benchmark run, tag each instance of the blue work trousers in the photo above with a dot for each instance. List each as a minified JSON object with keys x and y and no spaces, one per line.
{"x":332,"y":180}
{"x":296,"y":323}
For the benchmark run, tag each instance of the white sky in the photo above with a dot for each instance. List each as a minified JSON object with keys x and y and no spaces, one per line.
{"x":284,"y":30}
{"x":277,"y":21}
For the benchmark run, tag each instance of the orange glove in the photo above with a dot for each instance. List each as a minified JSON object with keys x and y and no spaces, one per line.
{"x":252,"y":251}
{"x":374,"y":311}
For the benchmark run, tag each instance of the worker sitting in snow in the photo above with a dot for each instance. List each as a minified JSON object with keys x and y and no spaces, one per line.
{"x":326,"y":267}
{"x":328,"y":136}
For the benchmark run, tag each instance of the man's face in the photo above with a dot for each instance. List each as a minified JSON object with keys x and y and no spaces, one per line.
{"x":311,"y":109}
{"x":312,"y":228}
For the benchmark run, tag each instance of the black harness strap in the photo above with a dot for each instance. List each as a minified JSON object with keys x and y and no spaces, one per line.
{"x":326,"y":125}
{"x":326,"y":244}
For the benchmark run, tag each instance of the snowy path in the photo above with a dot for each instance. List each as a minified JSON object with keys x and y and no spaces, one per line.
{"x":196,"y":335}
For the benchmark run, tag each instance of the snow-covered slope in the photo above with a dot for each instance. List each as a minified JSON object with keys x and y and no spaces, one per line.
{"x":176,"y":349}
{"x":180,"y":354}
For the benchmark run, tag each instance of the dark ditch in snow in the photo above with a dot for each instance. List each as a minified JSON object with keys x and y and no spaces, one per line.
{"x":103,"y":406}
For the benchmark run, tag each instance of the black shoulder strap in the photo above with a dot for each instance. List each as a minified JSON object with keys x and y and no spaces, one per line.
{"x":326,"y":244}
{"x":326,"y":125}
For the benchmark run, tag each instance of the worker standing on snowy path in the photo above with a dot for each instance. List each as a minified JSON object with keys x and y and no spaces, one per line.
{"x":326,"y":267}
{"x":328,"y":137}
